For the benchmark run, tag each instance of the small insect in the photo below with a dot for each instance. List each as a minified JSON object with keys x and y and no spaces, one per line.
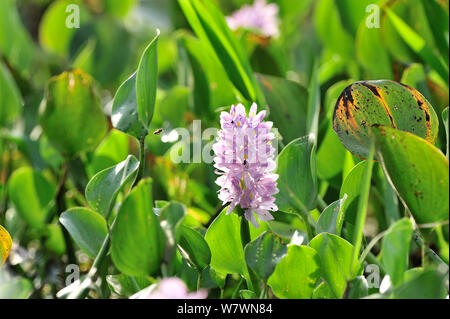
{"x":158,"y":131}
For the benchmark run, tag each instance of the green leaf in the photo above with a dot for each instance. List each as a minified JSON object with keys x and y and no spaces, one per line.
{"x":335,"y":258}
{"x":363,"y":104}
{"x":137,"y":240}
{"x":211,"y":28}
{"x":10,"y":99}
{"x":287,"y":102}
{"x":124,"y":115}
{"x":194,"y":248}
{"x":125,"y":286}
{"x":119,"y":8}
{"x":417,"y":170}
{"x":171,"y":218}
{"x":332,"y":218}
{"x":147,"y":82}
{"x":16,"y":44}
{"x":297,"y":274}
{"x":247,"y":294}
{"x":395,"y":250}
{"x":438,"y":18}
{"x":428,"y":284}
{"x":32,"y":195}
{"x":54,"y":33}
{"x":113,"y":149}
{"x":71,"y":114}
{"x":87,"y":228}
{"x":5,"y":244}
{"x":264,"y":253}
{"x":372,"y":54}
{"x":352,"y":187}
{"x":419,"y":45}
{"x":331,"y":31}
{"x":358,"y":288}
{"x":323,"y":291}
{"x":102,"y":189}
{"x":224,"y":240}
{"x":297,"y":182}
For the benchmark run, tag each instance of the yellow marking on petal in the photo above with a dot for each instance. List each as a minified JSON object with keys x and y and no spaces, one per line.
{"x":239,"y":123}
{"x":245,"y":156}
{"x":251,"y":195}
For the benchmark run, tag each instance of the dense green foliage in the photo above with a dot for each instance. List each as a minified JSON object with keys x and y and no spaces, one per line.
{"x":361,"y":117}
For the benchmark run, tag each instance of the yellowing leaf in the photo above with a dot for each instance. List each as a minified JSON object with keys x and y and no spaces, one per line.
{"x":5,"y":244}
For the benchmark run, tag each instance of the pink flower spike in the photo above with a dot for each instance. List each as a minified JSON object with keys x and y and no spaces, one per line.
{"x":244,"y":159}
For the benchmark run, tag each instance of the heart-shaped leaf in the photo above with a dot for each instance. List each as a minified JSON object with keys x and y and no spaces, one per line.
{"x":71,"y":114}
{"x":102,"y":189}
{"x":5,"y":244}
{"x":264,"y":253}
{"x":194,"y":248}
{"x":32,"y":195}
{"x":417,"y":170}
{"x":87,"y":228}
{"x":335,"y":259}
{"x":297,"y":274}
{"x":363,"y":104}
{"x":137,"y":240}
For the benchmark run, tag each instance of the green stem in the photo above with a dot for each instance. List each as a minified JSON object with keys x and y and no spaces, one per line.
{"x":321,"y":203}
{"x":362,"y":209}
{"x":140,"y":173}
{"x":235,"y":292}
{"x":263,"y":292}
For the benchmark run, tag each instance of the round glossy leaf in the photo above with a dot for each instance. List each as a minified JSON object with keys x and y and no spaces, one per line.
{"x":71,"y":115}
{"x":264,"y":253}
{"x":417,"y":170}
{"x":5,"y":244}
{"x":103,"y":188}
{"x":194,"y":248}
{"x":32,"y":195}
{"x":363,"y":104}
{"x":297,"y":274}
{"x":137,"y":241}
{"x":335,"y":255}
{"x":297,"y":182}
{"x":87,"y":228}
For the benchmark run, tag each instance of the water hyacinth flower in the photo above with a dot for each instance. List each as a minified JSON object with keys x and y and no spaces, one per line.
{"x":261,"y":17}
{"x":175,"y":288}
{"x":244,"y":159}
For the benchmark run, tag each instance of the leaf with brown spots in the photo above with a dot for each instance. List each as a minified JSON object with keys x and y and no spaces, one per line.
{"x":384,"y":102}
{"x":417,"y":170}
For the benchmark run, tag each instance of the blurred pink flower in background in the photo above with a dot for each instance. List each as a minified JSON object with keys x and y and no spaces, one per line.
{"x":260,"y":17}
{"x":175,"y":288}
